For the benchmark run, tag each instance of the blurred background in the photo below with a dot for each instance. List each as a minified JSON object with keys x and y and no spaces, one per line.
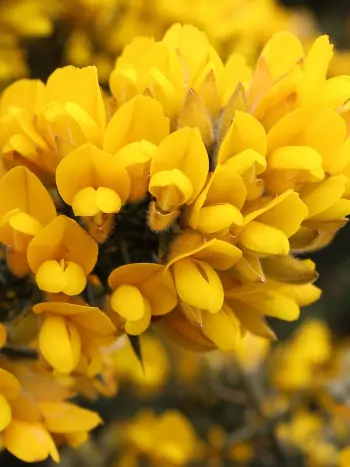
{"x":261,"y":406}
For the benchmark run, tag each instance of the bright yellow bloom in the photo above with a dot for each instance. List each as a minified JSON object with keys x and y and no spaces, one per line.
{"x":25,"y":438}
{"x":193,"y":262}
{"x":75,"y":112}
{"x":299,"y":361}
{"x":132,"y":135}
{"x":140,"y":291}
{"x":70,"y":335}
{"x":25,"y":209}
{"x":219,"y":205}
{"x":179,"y":169}
{"x":61,"y":255}
{"x":102,"y":187}
{"x":34,"y":414}
{"x":269,"y":222}
{"x":155,"y":68}
{"x":148,"y":377}
{"x":168,"y":438}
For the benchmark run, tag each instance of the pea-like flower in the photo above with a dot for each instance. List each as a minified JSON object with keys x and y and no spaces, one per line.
{"x":67,"y":332}
{"x":179,"y":169}
{"x":61,"y":255}
{"x":102,"y":187}
{"x":140,"y":291}
{"x":194,"y":263}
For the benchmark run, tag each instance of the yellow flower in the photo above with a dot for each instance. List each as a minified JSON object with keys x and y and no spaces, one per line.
{"x":298,"y":363}
{"x":269,"y":222}
{"x":35,"y":416}
{"x":74,"y":112}
{"x":23,"y":433}
{"x":218,"y":207}
{"x":244,"y":145}
{"x":70,"y":257}
{"x":155,"y":68}
{"x":168,"y":438}
{"x":70,"y":335}
{"x":25,"y":209}
{"x":179,"y":169}
{"x":140,"y":291}
{"x":142,"y":118}
{"x":193,"y":262}
{"x":148,"y":377}
{"x":132,"y":135}
{"x":102,"y":187}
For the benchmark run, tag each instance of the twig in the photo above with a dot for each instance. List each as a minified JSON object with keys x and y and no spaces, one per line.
{"x":19,"y":352}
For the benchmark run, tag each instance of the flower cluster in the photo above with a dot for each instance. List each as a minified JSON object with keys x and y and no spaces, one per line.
{"x":181,"y":201}
{"x":94,"y":32}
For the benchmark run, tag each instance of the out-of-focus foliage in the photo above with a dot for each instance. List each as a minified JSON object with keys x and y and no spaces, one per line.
{"x":285,"y":404}
{"x":95,"y":31}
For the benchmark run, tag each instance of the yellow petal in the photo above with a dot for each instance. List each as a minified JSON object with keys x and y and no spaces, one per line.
{"x":217,"y":253}
{"x":84,"y":202}
{"x":183,"y":150}
{"x":136,"y":158}
{"x":316,"y":67}
{"x":29,"y":442}
{"x":289,"y":269}
{"x":63,"y":308}
{"x":245,"y":132}
{"x":136,"y":328}
{"x":198,"y":284}
{"x":63,"y":239}
{"x":281,"y":53}
{"x":60,"y":343}
{"x":303,"y":295}
{"x":128,"y":302}
{"x":285,"y":212}
{"x":212,"y":219}
{"x":75,"y":279}
{"x":251,"y":319}
{"x":50,"y":277}
{"x":324,"y":195}
{"x":107,"y":200}
{"x":94,"y":320}
{"x":142,"y":118}
{"x":133,"y":274}
{"x":264,"y":239}
{"x":298,"y":158}
{"x":83,"y":90}
{"x":64,"y":417}
{"x":97,"y":168}
{"x":20,"y":189}
{"x":339,"y":210}
{"x":222,"y":328}
{"x":274,"y":304}
{"x":9,"y":385}
{"x":245,"y":161}
{"x":5,"y":413}
{"x":326,"y":133}
{"x":160,"y":291}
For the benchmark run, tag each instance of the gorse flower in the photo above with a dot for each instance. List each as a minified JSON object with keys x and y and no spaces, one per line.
{"x":181,"y":201}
